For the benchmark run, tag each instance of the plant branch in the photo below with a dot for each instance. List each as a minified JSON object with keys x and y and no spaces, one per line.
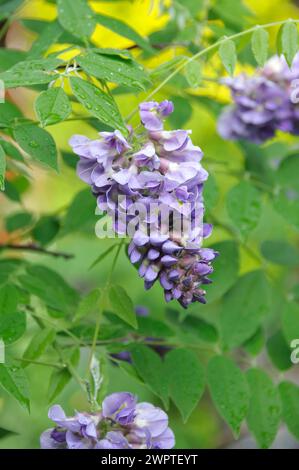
{"x":204,"y":52}
{"x":36,"y":249}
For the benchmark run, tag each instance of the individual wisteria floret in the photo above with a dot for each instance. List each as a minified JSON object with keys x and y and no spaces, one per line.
{"x":122,"y":423}
{"x":158,"y":175}
{"x":262,"y":103}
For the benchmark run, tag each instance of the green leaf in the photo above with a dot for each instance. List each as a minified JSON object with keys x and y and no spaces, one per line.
{"x":289,"y":41}
{"x":123,"y":29}
{"x":12,"y":192}
{"x":39,"y":344}
{"x":8,"y":7}
{"x":8,"y":268}
{"x":150,"y":368}
{"x":227,"y":52}
{"x":12,"y":326}
{"x":50,"y":287}
{"x":286,"y":173}
{"x":264,"y":409}
{"x":8,"y":113}
{"x":289,"y":394}
{"x":48,"y":36}
{"x":193,"y":73}
{"x":260,"y":45}
{"x":286,"y":203}
{"x":114,"y":69}
{"x":279,"y":351}
{"x":31,"y":72}
{"x":194,"y":327}
{"x":244,"y":207}
{"x":81,"y":213}
{"x":76,"y":17}
{"x":151,"y":327}
{"x":18,"y":221}
{"x":122,"y":305}
{"x":6,"y":433}
{"x":103,"y":255}
{"x":130,"y":371}
{"x":60,"y":378}
{"x":242,"y":312}
{"x":9,"y":294}
{"x":38,"y":143}
{"x":226,"y":269}
{"x":11,"y":150}
{"x":89,"y":304}
{"x":70,"y":159}
{"x":2,"y":169}
{"x":46,"y":229}
{"x":210,"y":193}
{"x":10,"y":57}
{"x":255,"y":343}
{"x":280,"y":252}
{"x":52,"y":106}
{"x":290,"y":321}
{"x":182,"y":114}
{"x":229,"y":391}
{"x":14,"y":381}
{"x":186,"y":380}
{"x":98,"y":103}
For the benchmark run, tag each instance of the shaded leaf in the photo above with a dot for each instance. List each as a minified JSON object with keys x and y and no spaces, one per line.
{"x":31,"y":72}
{"x":98,"y":103}
{"x":186,"y":379}
{"x":39,"y":344}
{"x":264,"y":409}
{"x":280,"y":252}
{"x":76,"y":17}
{"x":52,"y":106}
{"x":227,"y":52}
{"x":289,"y":394}
{"x":226,"y":269}
{"x":244,"y":207}
{"x":150,"y":368}
{"x":289,"y":40}
{"x":229,"y":391}
{"x":114,"y":69}
{"x":244,"y":307}
{"x":122,"y":305}
{"x":38,"y":143}
{"x":14,"y":381}
{"x":123,"y":29}
{"x":260,"y":45}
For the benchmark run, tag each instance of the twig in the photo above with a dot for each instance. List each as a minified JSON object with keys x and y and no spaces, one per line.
{"x":201,"y":53}
{"x":37,"y":249}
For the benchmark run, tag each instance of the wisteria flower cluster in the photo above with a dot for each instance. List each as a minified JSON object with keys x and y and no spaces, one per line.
{"x":122,"y":423}
{"x":262,"y":103}
{"x":152,"y":172}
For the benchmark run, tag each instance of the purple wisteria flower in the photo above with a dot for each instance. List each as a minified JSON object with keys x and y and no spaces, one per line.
{"x":262,"y":103}
{"x":151,"y":184}
{"x":122,"y":423}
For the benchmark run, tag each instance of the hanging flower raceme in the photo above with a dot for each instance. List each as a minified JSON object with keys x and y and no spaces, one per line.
{"x":151,"y":185}
{"x":122,"y":423}
{"x":262,"y":103}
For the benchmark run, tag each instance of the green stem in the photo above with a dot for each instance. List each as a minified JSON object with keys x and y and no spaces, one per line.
{"x":103,"y":304}
{"x":40,"y":363}
{"x":204,"y":52}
